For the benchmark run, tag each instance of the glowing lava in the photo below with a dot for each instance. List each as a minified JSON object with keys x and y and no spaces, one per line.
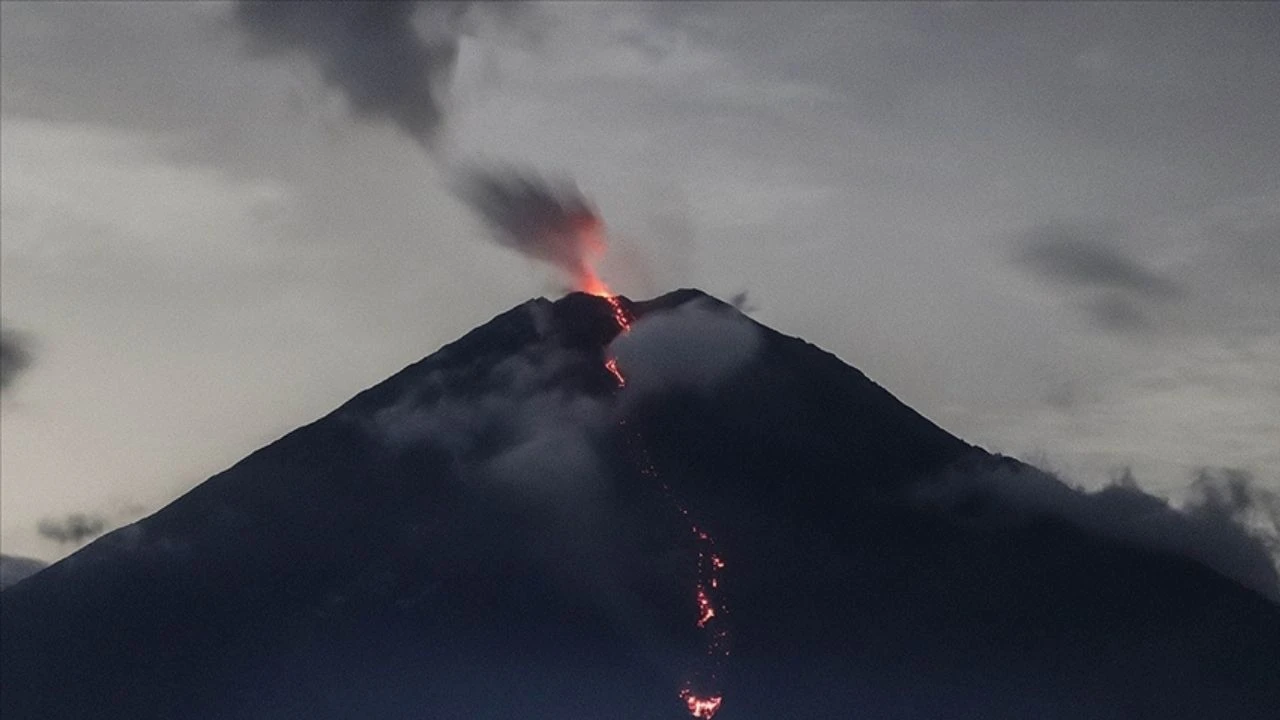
{"x":612,"y":366}
{"x":701,"y":707}
{"x":710,"y":564}
{"x":706,"y":611}
{"x":591,"y":284}
{"x":588,"y":231}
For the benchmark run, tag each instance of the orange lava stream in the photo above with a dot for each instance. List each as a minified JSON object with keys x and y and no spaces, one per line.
{"x":710,"y":564}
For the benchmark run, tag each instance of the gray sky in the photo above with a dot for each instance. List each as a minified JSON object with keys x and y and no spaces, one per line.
{"x":1053,"y":229}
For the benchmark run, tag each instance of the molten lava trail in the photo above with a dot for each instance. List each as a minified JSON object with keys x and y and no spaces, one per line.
{"x":701,"y":690}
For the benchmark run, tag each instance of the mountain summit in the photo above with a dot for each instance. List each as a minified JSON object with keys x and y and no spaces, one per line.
{"x":501,"y":530}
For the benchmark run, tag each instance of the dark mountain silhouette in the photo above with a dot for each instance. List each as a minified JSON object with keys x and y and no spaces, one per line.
{"x":474,"y":538}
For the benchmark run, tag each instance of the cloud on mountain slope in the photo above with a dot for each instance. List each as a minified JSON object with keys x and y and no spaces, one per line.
{"x":1229,"y":524}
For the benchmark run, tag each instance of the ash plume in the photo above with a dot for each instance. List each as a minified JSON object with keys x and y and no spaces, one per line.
{"x":548,"y":221}
{"x":15,"y":356}
{"x":389,"y":60}
{"x":74,"y":528}
{"x":373,"y":52}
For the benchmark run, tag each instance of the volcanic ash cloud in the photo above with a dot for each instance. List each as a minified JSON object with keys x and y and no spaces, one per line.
{"x":548,"y":221}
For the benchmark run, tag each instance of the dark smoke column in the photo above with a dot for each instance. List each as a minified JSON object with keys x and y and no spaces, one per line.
{"x":389,"y":59}
{"x":373,"y":52}
{"x":15,"y":356}
{"x":550,"y":222}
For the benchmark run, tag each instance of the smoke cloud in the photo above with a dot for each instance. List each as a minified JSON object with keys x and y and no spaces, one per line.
{"x":388,"y":59}
{"x":548,"y":221}
{"x":72,"y":529}
{"x":15,"y":356}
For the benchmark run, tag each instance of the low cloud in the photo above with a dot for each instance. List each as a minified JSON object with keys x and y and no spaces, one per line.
{"x":1229,"y":525}
{"x":74,"y":529}
{"x":492,"y":413}
{"x":1230,"y":496}
{"x":514,"y":420}
{"x":541,"y":422}
{"x":14,"y":569}
{"x":693,"y":347}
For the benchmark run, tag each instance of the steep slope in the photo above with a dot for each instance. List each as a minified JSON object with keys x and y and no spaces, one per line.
{"x":479,"y":537}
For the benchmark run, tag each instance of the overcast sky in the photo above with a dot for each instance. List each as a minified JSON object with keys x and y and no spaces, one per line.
{"x":1053,"y":229}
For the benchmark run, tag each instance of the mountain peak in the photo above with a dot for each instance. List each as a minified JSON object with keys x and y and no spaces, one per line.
{"x":490,"y":533}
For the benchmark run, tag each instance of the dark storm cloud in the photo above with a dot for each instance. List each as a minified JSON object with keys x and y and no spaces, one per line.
{"x":74,"y":528}
{"x":1077,"y":256}
{"x":549,"y":221}
{"x":15,"y":356}
{"x":1218,"y":528}
{"x":373,"y":52}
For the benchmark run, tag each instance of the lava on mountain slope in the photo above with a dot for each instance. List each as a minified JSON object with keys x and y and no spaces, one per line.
{"x":704,"y":701}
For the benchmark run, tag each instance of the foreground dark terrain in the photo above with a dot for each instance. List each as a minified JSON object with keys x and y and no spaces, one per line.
{"x":475,"y":538}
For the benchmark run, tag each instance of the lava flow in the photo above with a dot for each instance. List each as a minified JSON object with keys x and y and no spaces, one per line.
{"x":701,"y":705}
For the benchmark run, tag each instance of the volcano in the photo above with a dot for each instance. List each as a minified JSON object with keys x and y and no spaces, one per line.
{"x":490,"y":533}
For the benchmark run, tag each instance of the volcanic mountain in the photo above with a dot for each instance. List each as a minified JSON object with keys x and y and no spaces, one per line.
{"x":502,"y":530}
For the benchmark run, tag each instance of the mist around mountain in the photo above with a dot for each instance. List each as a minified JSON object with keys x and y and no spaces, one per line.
{"x":14,"y":568}
{"x":478,"y":537}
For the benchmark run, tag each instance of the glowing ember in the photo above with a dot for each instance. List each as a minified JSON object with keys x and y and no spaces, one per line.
{"x":709,"y":563}
{"x":620,"y":315}
{"x":701,"y":707}
{"x":705,"y":609}
{"x":612,"y":366}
